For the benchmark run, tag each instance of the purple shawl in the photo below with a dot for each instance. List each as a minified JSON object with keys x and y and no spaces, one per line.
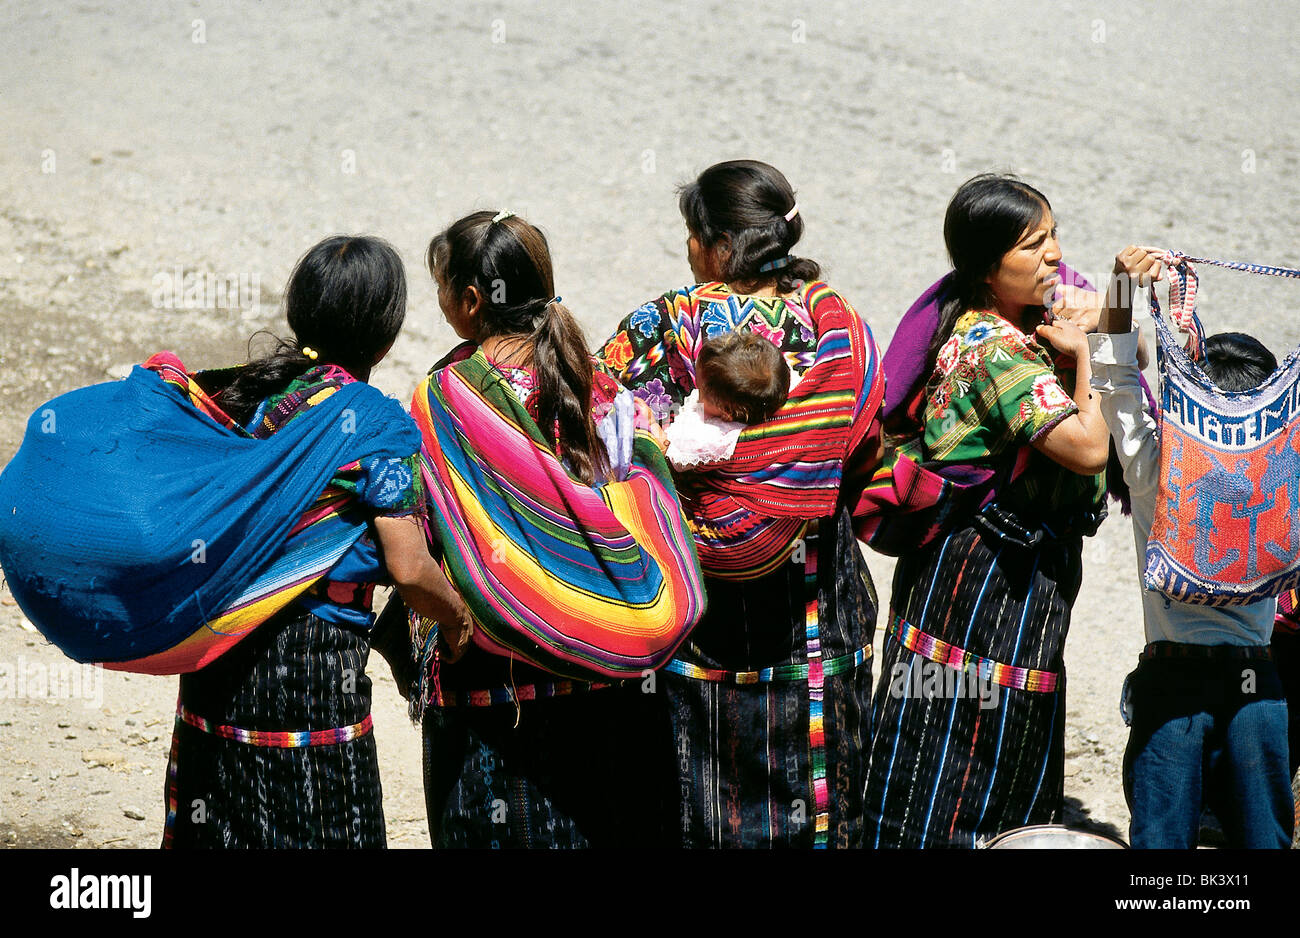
{"x":904,"y":362}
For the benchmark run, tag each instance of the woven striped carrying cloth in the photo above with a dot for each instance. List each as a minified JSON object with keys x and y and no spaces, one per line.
{"x":580,"y":580}
{"x":141,"y":528}
{"x":750,"y":514}
{"x":1227,"y":523}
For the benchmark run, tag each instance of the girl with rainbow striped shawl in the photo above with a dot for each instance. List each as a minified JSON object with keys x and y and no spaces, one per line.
{"x":770,"y":698}
{"x":554,"y":512}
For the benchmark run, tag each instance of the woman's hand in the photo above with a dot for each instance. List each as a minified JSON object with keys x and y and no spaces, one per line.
{"x":455,"y":633}
{"x":1140,"y":263}
{"x":657,"y":433}
{"x":1065,"y":337}
{"x":421,"y":582}
{"x":1134,"y":263}
{"x":1081,"y":307}
{"x":1080,"y":442}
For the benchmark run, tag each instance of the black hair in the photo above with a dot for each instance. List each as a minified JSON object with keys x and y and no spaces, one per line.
{"x":745,"y":374}
{"x":509,"y":263}
{"x":1238,"y":362}
{"x":987,"y":215}
{"x":346,"y":300}
{"x":746,"y":202}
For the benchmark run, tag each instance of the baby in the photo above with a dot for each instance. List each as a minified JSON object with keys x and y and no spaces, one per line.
{"x":740,"y":379}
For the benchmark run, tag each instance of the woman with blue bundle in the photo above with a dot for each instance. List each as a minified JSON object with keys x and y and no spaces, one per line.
{"x":254,"y":511}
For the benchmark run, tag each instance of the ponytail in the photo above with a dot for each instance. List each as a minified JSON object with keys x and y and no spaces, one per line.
{"x":508,"y":261}
{"x":260,"y":379}
{"x":564,"y":379}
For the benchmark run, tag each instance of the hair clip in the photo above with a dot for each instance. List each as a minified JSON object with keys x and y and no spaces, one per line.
{"x":789,"y":216}
{"x":776,"y":264}
{"x":557,"y":299}
{"x":310,"y":352}
{"x":502,"y":216}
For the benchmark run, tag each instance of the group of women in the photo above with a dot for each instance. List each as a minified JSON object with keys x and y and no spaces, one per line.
{"x":533,"y":517}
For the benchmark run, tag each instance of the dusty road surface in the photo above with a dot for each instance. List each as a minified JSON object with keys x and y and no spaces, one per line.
{"x":148,"y":144}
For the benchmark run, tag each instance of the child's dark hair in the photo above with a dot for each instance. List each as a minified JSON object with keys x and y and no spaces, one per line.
{"x":746,"y":376}
{"x":346,"y":301}
{"x":509,"y":263}
{"x":747,"y":201}
{"x":1237,"y":362}
{"x":987,"y":215}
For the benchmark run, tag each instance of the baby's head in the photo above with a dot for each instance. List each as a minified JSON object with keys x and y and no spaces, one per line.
{"x":741,"y":377}
{"x":1235,"y":361}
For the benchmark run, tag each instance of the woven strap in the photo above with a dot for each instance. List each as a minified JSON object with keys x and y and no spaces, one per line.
{"x":277,"y":739}
{"x":513,"y":695}
{"x":776,"y":675}
{"x":1183,"y":283}
{"x":1008,"y":675}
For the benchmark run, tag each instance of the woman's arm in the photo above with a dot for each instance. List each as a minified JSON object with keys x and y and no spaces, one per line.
{"x":1135,"y":267}
{"x":1080,"y":442}
{"x":421,"y":582}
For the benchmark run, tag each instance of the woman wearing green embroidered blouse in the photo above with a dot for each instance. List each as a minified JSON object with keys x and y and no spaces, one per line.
{"x":962,"y":755}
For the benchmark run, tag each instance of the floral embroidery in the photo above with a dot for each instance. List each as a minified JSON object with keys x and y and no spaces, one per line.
{"x":1049,"y":395}
{"x":619,"y":351}
{"x":715,"y":321}
{"x":775,"y":336}
{"x":388,"y":482}
{"x":656,"y":397}
{"x":948,"y":355}
{"x":646,"y":318}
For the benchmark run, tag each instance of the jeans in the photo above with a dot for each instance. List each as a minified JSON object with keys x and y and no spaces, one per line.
{"x":1286,"y":654}
{"x":1208,"y":731}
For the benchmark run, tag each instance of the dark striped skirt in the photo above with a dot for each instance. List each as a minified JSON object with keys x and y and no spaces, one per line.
{"x":771,"y":702}
{"x":970,"y":708}
{"x":591,"y":768}
{"x":273,"y":748}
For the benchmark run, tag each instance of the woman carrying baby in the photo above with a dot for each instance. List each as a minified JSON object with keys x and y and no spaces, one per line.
{"x":741,"y":379}
{"x":770,"y":697}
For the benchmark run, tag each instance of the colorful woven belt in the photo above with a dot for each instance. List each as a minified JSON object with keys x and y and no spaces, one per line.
{"x":277,"y":739}
{"x":782,"y":672}
{"x":506,"y":695}
{"x":1219,"y":652}
{"x":1008,"y":675}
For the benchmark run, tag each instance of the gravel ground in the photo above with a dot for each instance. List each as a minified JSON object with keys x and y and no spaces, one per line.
{"x":225,"y":138}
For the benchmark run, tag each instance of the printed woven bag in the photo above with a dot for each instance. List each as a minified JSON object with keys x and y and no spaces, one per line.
{"x":1227,"y":520}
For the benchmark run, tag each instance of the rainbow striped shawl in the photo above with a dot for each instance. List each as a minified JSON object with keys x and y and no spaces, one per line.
{"x":142,"y":529}
{"x":749,"y":514}
{"x":580,"y":580}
